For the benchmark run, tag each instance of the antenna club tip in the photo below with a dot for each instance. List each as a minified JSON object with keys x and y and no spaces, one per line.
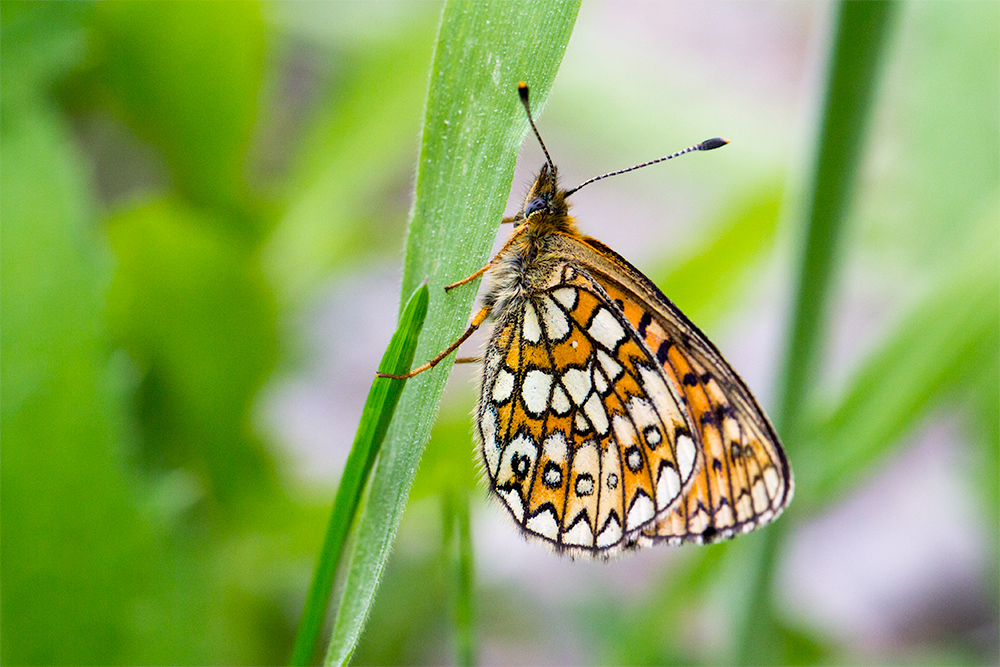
{"x":709,"y":144}
{"x":522,"y":90}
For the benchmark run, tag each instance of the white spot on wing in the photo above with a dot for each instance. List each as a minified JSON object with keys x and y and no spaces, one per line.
{"x":544,"y":524}
{"x":512,"y":499}
{"x":698,"y":522}
{"x":556,"y":323}
{"x":560,"y":403}
{"x":577,"y":383}
{"x":503,"y":386}
{"x":744,"y":508}
{"x":663,"y":398}
{"x":685,"y":456}
{"x":535,"y":391}
{"x":581,"y":423}
{"x":580,"y":534}
{"x":611,"y":367}
{"x":641,"y":512}
{"x":610,"y":535}
{"x":771,"y":481}
{"x":760,"y":499}
{"x":596,"y":414}
{"x":605,"y":329}
{"x":530,"y":330}
{"x":600,"y":383}
{"x":724,"y":517}
{"x":566,"y":296}
{"x":668,"y":486}
{"x":491,"y":450}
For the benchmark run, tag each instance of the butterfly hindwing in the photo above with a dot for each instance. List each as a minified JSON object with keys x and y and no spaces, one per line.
{"x":583,"y":438}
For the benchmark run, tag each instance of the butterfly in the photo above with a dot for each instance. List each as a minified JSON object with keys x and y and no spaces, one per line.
{"x":606,"y":419}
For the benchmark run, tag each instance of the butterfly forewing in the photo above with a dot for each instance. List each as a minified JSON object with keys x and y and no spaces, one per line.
{"x":743,"y":480}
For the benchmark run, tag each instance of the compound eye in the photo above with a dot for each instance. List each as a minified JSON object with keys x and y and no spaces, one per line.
{"x":536,"y":204}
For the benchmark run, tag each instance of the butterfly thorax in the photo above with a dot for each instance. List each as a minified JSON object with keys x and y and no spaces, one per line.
{"x":526,"y":267}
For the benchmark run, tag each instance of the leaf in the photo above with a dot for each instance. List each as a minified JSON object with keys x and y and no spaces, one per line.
{"x":472,"y":130}
{"x":353,"y":160}
{"x":862,"y":30}
{"x":195,"y":93}
{"x":941,"y":345}
{"x":191,"y":306}
{"x":375,"y":418}
{"x":77,"y":554}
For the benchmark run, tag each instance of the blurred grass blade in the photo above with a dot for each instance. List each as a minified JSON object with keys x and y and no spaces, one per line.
{"x":862,"y":29}
{"x":473,"y":127}
{"x":375,"y":419}
{"x":712,"y":276}
{"x":460,"y":555}
{"x":937,"y":349}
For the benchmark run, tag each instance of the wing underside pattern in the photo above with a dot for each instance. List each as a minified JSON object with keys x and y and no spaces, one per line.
{"x":604,"y":424}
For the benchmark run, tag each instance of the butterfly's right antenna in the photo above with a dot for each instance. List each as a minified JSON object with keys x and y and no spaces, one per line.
{"x":707,"y":145}
{"x":522,"y":90}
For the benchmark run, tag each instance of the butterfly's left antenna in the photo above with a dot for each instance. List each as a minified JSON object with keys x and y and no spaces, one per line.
{"x":522,"y":90}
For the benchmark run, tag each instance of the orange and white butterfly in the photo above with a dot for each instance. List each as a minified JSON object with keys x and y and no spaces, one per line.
{"x":607,"y":420}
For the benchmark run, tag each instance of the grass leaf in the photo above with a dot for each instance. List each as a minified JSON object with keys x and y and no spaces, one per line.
{"x":861,"y":33}
{"x":939,"y":346}
{"x":473,"y":127}
{"x":375,"y":418}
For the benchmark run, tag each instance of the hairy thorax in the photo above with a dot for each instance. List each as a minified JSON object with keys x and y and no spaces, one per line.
{"x":527,"y":267}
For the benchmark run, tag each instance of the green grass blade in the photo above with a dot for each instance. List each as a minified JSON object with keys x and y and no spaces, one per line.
{"x":938,"y":347}
{"x":861,"y":33}
{"x":375,"y":418}
{"x":473,"y":128}
{"x":465,"y":637}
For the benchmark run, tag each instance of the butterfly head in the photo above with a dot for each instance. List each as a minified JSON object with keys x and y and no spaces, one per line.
{"x":545,"y":202}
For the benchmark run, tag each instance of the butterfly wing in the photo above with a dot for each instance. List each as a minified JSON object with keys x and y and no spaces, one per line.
{"x":743,"y":478}
{"x":583,"y":436}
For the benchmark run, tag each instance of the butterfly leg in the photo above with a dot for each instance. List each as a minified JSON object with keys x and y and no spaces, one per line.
{"x":448,"y":288}
{"x":477,"y":322}
{"x":486,"y":268}
{"x":468,"y":360}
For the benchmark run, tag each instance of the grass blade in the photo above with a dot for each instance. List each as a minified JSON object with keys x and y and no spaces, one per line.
{"x":375,"y":418}
{"x":939,"y":346}
{"x":861,"y":33}
{"x":473,"y":127}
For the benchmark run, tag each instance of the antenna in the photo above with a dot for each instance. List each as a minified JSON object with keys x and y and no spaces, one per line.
{"x":706,"y":145}
{"x":522,"y":90}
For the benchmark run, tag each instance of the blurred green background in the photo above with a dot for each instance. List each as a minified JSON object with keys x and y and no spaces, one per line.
{"x":203,"y":208}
